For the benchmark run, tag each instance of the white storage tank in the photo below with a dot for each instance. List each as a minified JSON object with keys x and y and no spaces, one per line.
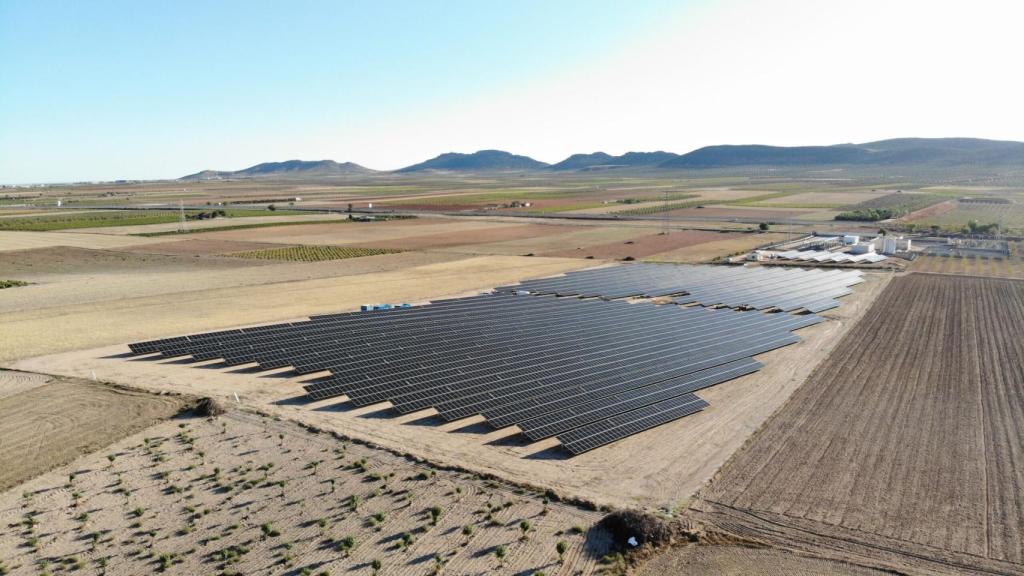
{"x":889,"y":246}
{"x":851,"y":239}
{"x":862,"y":248}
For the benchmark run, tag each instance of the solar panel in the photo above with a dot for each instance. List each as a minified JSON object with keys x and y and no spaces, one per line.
{"x":586,"y":367}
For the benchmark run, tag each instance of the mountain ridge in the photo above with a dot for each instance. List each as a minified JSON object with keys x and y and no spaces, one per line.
{"x":882,"y":153}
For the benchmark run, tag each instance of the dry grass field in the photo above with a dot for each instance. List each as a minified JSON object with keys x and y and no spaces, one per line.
{"x":50,"y":423}
{"x":643,"y":246}
{"x":245,"y":494}
{"x":904,"y":449}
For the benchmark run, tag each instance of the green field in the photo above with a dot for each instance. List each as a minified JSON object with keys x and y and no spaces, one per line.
{"x":312,"y":253}
{"x":50,"y":222}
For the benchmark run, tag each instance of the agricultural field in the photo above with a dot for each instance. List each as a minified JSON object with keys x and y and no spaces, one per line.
{"x":889,"y":206}
{"x":837,"y":199}
{"x":1010,"y":217}
{"x":111,"y":218}
{"x":1011,"y":267}
{"x":244,"y":494}
{"x":644,"y":246}
{"x":903,"y":450}
{"x":311,"y":253}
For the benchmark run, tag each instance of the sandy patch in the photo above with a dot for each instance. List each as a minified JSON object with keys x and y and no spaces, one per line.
{"x":708,"y":251}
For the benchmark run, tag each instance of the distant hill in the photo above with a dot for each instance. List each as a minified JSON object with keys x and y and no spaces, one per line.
{"x":289,"y":168}
{"x":484,"y":160}
{"x":934,"y":152}
{"x":600,"y":160}
{"x":902,"y":151}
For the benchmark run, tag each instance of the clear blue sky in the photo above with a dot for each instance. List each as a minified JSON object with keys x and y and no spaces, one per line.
{"x":139,"y":89}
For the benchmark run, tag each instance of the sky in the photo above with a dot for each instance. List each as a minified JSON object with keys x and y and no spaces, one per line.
{"x":110,"y":89}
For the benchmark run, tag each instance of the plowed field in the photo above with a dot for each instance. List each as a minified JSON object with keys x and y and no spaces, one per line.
{"x":905,"y":449}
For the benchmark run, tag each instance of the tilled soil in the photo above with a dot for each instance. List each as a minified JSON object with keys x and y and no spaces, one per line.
{"x":906,"y":447}
{"x":246,"y":494}
{"x":47,"y":426}
{"x":744,"y":561}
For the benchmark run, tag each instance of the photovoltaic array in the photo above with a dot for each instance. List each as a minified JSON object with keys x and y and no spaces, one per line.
{"x":587,"y":371}
{"x":760,"y":287}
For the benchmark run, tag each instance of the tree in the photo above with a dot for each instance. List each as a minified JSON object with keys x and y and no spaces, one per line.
{"x":525,"y":527}
{"x":762,"y":226}
{"x":376,"y":565}
{"x":500,"y":552}
{"x":561,"y":547}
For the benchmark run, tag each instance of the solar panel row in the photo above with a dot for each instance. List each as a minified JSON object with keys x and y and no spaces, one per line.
{"x":759,"y":287}
{"x":586,"y":371}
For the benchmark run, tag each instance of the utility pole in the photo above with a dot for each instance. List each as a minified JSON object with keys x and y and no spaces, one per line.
{"x":664,"y":213}
{"x":181,"y":212}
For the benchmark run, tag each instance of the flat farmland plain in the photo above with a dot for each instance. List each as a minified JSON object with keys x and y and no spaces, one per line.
{"x":903,"y":450}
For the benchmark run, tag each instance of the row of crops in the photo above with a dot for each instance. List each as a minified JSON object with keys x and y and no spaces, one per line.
{"x":312,"y":253}
{"x":104,"y":219}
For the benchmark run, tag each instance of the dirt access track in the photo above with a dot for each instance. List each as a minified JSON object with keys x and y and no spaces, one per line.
{"x":905,"y":449}
{"x":661,"y":468}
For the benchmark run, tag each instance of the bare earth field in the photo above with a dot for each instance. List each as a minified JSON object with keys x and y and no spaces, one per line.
{"x":355,"y":233}
{"x":724,"y":560}
{"x":114,"y":308}
{"x":642,"y":246}
{"x":495,"y":233}
{"x":49,"y":425}
{"x":199,"y":246}
{"x":1012,"y":267}
{"x":13,"y":382}
{"x":826,"y":199}
{"x":574,"y":237}
{"x":686,"y":454}
{"x":244,"y":494}
{"x":907,"y":457}
{"x":212,"y":224}
{"x":78,"y":239}
{"x":766,"y":214}
{"x":710,"y":250}
{"x":54,"y":264}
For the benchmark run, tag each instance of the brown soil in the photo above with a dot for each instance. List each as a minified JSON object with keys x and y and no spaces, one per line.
{"x":768,"y":214}
{"x":13,"y":382}
{"x":465,"y":237}
{"x":29,"y":240}
{"x":904,"y":449}
{"x":179,"y":493}
{"x":727,"y":246}
{"x":51,"y":425}
{"x":745,"y":561}
{"x":1012,"y":267}
{"x":643,"y":246}
{"x":931,"y":211}
{"x":200,"y":247}
{"x":62,"y":260}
